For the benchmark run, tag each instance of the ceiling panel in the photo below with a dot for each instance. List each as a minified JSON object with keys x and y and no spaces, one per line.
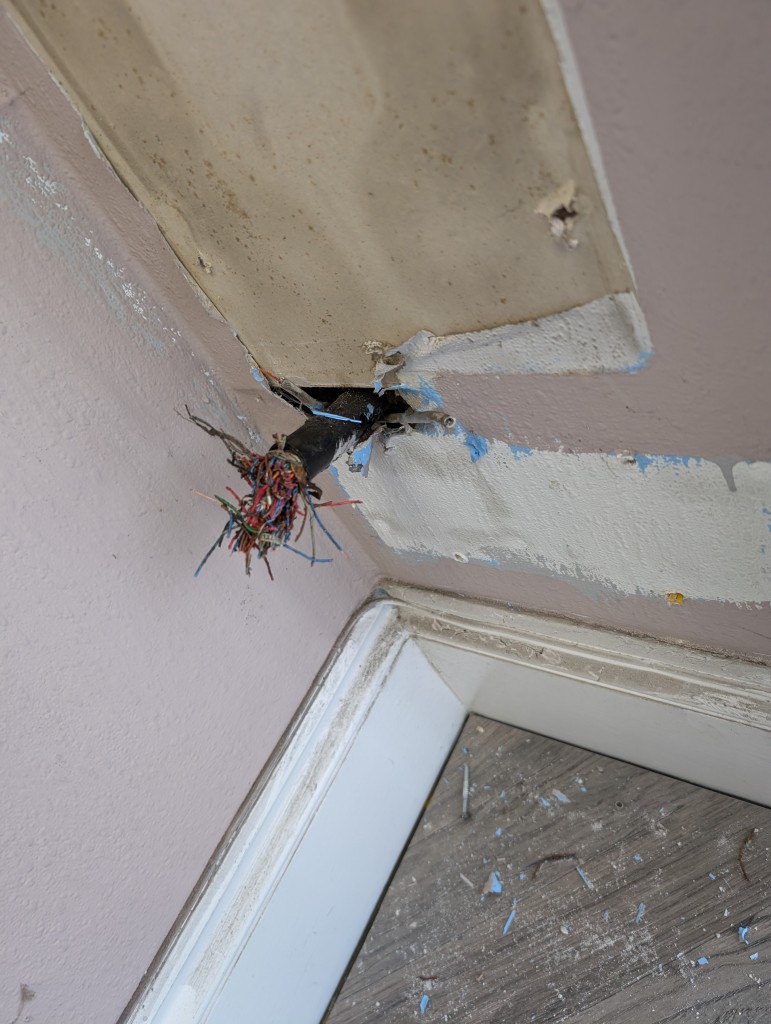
{"x":338,"y":176}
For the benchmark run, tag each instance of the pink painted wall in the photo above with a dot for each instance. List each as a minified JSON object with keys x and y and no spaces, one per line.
{"x":138,"y":704}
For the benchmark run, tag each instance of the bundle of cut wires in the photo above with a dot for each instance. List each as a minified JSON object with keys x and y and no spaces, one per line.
{"x":279,"y":493}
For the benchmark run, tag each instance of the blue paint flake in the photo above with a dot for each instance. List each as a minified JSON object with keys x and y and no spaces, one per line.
{"x":640,"y":913}
{"x":754,"y":956}
{"x":494,"y":883}
{"x":502,"y":795}
{"x":638,"y":858}
{"x":561,"y":796}
{"x":545,"y":801}
{"x":523,"y":876}
{"x":743,"y":930}
{"x":499,"y":831}
{"x":584,"y":878}
{"x":703,"y":960}
{"x":511,"y":918}
{"x":257,"y":375}
{"x":424,"y":1005}
{"x":712,"y":875}
{"x":360,"y":457}
{"x":583,"y":789}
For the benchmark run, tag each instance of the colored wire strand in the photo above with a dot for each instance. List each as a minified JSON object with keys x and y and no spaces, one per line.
{"x":279,"y":496}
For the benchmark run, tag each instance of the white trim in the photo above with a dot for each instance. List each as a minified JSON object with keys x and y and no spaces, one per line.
{"x":288,"y":896}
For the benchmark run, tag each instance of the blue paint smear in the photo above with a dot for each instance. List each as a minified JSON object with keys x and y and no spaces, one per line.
{"x":642,"y":361}
{"x":644,"y":462}
{"x":424,"y":1005}
{"x":561,"y":796}
{"x":499,"y":831}
{"x":545,"y":801}
{"x":520,"y":452}
{"x":257,"y":375}
{"x":429,"y":397}
{"x":754,"y":956}
{"x":333,"y":416}
{"x":511,"y":918}
{"x":743,"y":929}
{"x":638,"y":857}
{"x":585,"y":878}
{"x":496,"y":886}
{"x":476,"y":444}
{"x":703,"y":960}
{"x":640,"y":913}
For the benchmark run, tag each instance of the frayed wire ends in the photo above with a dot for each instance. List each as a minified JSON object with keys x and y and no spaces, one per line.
{"x":264,"y":518}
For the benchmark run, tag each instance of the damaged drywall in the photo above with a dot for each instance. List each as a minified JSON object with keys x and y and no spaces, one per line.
{"x":642,"y":525}
{"x":606,"y":335}
{"x":337,"y":177}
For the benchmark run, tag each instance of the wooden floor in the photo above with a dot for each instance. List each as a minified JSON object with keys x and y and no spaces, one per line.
{"x":625,"y":896}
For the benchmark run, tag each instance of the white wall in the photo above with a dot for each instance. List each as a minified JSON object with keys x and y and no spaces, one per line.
{"x":138,"y":703}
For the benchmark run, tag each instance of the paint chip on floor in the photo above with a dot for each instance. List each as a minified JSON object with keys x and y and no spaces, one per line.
{"x":584,"y":878}
{"x":424,"y":1005}
{"x":493,"y":884}
{"x":511,"y":918}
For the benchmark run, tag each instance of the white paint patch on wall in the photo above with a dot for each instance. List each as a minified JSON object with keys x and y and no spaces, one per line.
{"x":657,"y":525}
{"x":607,"y":335}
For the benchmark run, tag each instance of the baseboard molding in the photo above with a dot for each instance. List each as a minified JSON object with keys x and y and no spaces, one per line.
{"x":284,"y":903}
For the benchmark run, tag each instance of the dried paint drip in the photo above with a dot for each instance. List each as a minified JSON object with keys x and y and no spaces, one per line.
{"x":264,"y":518}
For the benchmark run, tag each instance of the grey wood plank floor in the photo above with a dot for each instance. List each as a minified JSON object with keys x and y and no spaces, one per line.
{"x":654,"y":908}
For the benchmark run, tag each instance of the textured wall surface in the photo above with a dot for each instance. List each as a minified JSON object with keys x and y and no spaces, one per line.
{"x":676,"y":94}
{"x":138,"y":703}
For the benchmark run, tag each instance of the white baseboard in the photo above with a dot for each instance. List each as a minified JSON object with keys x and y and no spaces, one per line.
{"x":288,"y":896}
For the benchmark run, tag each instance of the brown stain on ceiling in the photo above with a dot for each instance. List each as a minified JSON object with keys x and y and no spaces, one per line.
{"x":336,"y":177}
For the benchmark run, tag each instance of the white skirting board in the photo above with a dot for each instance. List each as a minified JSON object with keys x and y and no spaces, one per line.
{"x":282,"y":909}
